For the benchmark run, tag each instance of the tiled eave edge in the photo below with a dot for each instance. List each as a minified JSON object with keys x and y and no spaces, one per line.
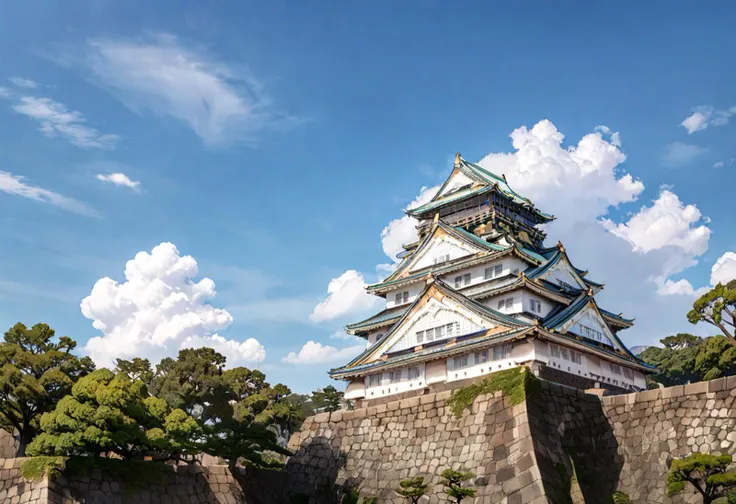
{"x":481,"y":341}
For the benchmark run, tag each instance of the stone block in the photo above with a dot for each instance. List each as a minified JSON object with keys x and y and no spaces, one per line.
{"x":696,"y":388}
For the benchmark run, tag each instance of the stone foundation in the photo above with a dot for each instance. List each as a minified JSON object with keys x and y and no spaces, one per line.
{"x":558,"y":446}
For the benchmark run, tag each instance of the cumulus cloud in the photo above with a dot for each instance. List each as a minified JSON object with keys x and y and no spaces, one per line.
{"x":23,"y":83}
{"x":704,"y":116}
{"x":316,"y":353}
{"x":160,"y":74}
{"x":614,"y":135}
{"x":724,"y":269}
{"x":577,"y":183}
{"x":58,"y":121}
{"x":672,"y":288}
{"x":159,"y":309}
{"x":679,"y":154}
{"x":119,"y":179}
{"x":667,"y":222}
{"x":346,"y":296}
{"x":17,"y":186}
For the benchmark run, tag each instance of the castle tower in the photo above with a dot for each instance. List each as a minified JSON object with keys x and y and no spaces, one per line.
{"x":479,"y":292}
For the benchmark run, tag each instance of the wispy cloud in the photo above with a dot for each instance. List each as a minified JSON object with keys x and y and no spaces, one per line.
{"x":721,"y":164}
{"x":23,"y":83}
{"x":16,"y":185}
{"x":222,"y":103}
{"x":704,"y":116}
{"x":5,"y":93}
{"x":57,"y":120}
{"x":680,"y":154}
{"x":119,"y":179}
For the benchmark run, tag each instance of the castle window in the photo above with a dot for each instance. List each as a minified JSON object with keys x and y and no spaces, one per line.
{"x":458,"y":282}
{"x":536,"y":306}
{"x":576,"y":357}
{"x":481,"y":357}
{"x":466,"y":278}
{"x":394,"y":376}
{"x":493,"y":271}
{"x":615,"y":369}
{"x":565,"y":353}
{"x":501,"y":352}
{"x":374,"y":380}
{"x":441,"y":259}
{"x":414,"y":372}
{"x":460,"y":362}
{"x":420,"y":337}
{"x":628,"y":373}
{"x":554,"y":350}
{"x":402,"y":297}
{"x":507,"y":304}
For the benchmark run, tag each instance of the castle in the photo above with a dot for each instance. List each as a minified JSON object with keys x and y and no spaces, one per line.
{"x":479,"y":292}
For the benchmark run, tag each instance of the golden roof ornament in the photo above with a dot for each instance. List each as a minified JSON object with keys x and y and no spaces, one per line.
{"x":590,"y":291}
{"x":560,"y":246}
{"x":457,"y":159}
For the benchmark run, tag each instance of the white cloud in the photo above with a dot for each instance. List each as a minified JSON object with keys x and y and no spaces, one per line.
{"x":57,"y":120}
{"x":23,"y":83}
{"x":680,"y":154}
{"x":576,"y":184}
{"x":721,"y":164}
{"x":119,"y":179}
{"x":315,"y":353}
{"x":16,"y":185}
{"x":718,"y":164}
{"x":668,"y":222}
{"x":680,"y":287}
{"x":346,"y":296}
{"x":615,"y":135}
{"x":221,"y":103}
{"x":704,"y":116}
{"x":403,"y":231}
{"x":724,"y":269}
{"x":158,"y":310}
{"x":5,"y":93}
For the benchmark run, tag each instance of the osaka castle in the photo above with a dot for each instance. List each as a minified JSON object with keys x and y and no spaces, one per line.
{"x":479,"y":292}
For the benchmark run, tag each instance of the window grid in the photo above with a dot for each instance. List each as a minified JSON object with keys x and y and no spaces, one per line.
{"x":493,"y":272}
{"x":414,"y":372}
{"x":402,"y":297}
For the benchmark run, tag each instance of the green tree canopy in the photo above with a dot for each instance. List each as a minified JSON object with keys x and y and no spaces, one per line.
{"x":327,"y":399}
{"x":679,"y":341}
{"x":238,"y":411}
{"x":453,"y":483}
{"x":36,"y":372}
{"x":108,"y":413}
{"x":412,"y":488}
{"x":705,"y":359}
{"x":717,"y":307}
{"x":708,"y":474}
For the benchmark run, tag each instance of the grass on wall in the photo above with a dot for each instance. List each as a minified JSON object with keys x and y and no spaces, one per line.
{"x":515,"y":384}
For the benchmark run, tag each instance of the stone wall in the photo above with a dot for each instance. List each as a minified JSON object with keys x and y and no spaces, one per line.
{"x":8,"y":445}
{"x":183,"y":484}
{"x":376,"y":447}
{"x":653,"y":427}
{"x":14,"y":489}
{"x":560,"y":446}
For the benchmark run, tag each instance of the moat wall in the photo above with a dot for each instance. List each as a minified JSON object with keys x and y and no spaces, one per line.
{"x":523,"y":453}
{"x":558,"y":446}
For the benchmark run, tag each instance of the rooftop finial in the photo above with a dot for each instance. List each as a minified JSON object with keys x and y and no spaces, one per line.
{"x":504,"y":178}
{"x":590,"y":291}
{"x":457,"y":159}
{"x":560,"y":246}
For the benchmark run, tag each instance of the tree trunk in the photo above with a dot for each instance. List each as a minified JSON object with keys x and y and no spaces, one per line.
{"x":24,"y":438}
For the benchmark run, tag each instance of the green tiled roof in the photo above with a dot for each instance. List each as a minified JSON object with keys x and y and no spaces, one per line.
{"x":384,"y":316}
{"x":465,"y":193}
{"x":484,"y":176}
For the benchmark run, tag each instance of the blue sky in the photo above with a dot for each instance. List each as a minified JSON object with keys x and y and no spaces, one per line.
{"x":274,"y":141}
